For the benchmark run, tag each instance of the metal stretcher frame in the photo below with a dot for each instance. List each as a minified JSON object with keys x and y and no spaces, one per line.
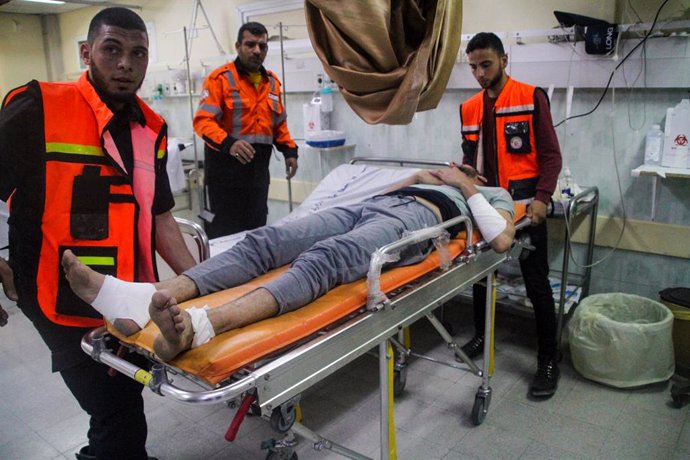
{"x":279,"y":382}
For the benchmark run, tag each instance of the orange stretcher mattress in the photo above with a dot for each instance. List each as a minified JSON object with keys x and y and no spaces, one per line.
{"x":218,"y":359}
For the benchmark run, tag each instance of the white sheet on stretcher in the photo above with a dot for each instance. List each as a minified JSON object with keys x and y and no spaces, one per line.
{"x":346,"y":184}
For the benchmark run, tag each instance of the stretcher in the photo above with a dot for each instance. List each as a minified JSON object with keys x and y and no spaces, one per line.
{"x":268,"y":364}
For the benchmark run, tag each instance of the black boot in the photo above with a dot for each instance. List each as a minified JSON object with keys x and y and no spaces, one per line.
{"x":474,"y":347}
{"x":85,"y":454}
{"x":545,"y":381}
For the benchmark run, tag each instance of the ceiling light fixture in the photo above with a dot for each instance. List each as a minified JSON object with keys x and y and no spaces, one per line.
{"x":50,"y":2}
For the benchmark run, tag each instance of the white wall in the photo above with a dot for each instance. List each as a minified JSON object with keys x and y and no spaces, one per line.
{"x":590,"y":144}
{"x":21,"y":51}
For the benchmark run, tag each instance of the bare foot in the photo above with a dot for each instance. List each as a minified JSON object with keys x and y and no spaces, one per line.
{"x":84,"y":281}
{"x":175,"y":326}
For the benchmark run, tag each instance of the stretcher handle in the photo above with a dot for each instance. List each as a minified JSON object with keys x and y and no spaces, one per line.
{"x":427,"y":233}
{"x":112,"y":372}
{"x":200,"y":237}
{"x":93,"y":347}
{"x":237,"y":420}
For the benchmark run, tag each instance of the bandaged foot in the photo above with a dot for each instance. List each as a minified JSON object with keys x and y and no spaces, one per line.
{"x":122,"y":303}
{"x":180,"y":329}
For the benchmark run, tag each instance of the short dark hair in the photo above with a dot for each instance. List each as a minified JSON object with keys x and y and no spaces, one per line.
{"x":254,"y":28}
{"x":485,"y":40}
{"x":115,"y":16}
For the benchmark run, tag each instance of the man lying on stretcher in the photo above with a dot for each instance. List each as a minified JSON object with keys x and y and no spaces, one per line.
{"x":327,"y":248}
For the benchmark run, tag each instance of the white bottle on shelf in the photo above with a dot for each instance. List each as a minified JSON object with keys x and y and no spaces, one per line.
{"x":326,"y":93}
{"x":653,"y":146}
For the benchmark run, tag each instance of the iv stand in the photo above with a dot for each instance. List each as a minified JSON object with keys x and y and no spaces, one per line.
{"x":193,"y":28}
{"x":190,"y":95}
{"x":282,"y":69}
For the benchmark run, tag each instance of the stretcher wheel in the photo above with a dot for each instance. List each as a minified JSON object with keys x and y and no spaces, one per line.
{"x":480,"y":408}
{"x":399,"y":380}
{"x":282,"y":422}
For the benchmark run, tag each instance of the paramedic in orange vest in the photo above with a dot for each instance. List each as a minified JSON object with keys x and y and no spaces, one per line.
{"x":84,"y":168}
{"x":508,"y":137}
{"x":240,"y":117}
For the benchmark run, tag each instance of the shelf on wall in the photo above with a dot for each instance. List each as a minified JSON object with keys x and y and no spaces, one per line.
{"x":656,"y":172}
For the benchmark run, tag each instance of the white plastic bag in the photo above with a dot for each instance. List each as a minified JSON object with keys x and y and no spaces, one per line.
{"x":174,"y":166}
{"x":622,"y":340}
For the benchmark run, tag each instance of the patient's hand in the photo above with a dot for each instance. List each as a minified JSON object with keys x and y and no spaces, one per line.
{"x":426,"y":176}
{"x":537,"y":212}
{"x":454,"y":177}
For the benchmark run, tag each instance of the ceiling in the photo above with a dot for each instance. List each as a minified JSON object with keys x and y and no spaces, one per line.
{"x":24,"y":7}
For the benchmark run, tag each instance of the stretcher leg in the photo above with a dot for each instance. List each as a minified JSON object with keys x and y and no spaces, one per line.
{"x":452,"y":344}
{"x":391,"y":404}
{"x":386,"y":398}
{"x":402,"y":348}
{"x":482,"y":399}
{"x":237,"y":420}
{"x":320,"y":443}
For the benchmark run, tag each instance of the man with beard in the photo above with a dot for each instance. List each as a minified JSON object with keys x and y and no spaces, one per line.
{"x":83,"y":169}
{"x":508,"y":137}
{"x":240,"y":117}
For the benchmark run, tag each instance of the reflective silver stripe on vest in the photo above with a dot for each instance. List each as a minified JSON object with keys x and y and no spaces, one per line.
{"x":516,"y":108}
{"x":255,"y":138}
{"x":278,"y":119}
{"x":470,"y":128}
{"x":214,"y":109}
{"x":274,"y":104}
{"x":237,"y":104}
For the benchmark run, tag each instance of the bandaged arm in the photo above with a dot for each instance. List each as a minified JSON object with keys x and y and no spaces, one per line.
{"x":495,"y":225}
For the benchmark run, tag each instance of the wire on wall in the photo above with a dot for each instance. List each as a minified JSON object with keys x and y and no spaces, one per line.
{"x":613,"y":139}
{"x":613,"y":72}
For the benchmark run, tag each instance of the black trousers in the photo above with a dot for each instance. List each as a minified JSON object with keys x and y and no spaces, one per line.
{"x":535,"y":272}
{"x":236,"y":210}
{"x":118,"y":425}
{"x":236,"y":194}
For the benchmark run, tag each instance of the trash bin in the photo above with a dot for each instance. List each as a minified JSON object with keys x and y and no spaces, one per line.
{"x":622,"y":340}
{"x":678,"y":301}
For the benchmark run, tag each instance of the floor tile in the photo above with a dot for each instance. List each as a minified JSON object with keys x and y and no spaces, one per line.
{"x":68,"y":433}
{"x":573,"y":435}
{"x":28,"y":447}
{"x":584,"y":420}
{"x":655,"y":429}
{"x":488,"y":441}
{"x":539,"y":450}
{"x":631,"y":446}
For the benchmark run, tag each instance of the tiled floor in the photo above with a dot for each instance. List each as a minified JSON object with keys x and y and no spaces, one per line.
{"x":40,"y":420}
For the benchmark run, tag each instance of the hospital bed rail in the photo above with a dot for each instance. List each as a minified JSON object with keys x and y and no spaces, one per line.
{"x":198,"y":235}
{"x":400,"y":161}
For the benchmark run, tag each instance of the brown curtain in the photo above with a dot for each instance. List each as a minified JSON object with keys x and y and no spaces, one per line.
{"x":391,"y":58}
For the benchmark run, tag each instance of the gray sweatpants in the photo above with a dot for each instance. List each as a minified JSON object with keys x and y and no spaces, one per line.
{"x":327,"y":248}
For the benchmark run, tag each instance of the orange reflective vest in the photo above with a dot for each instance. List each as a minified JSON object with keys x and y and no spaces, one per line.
{"x":232,"y":106}
{"x":91,"y":206}
{"x":516,"y":148}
